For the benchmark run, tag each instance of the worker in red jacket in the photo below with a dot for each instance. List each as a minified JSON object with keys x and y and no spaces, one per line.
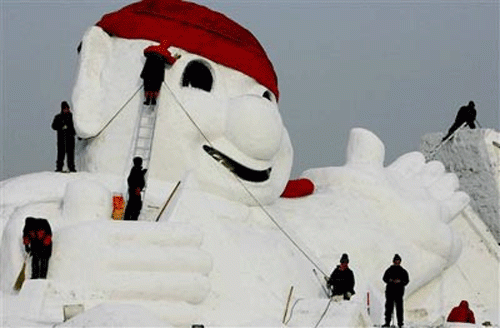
{"x":461,"y":313}
{"x":153,"y":73}
{"x":37,"y":240}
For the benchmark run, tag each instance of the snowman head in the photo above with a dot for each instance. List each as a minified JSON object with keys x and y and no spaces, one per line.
{"x":217,"y":114}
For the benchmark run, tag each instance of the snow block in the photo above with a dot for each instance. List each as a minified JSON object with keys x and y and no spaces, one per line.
{"x":328,"y":313}
{"x":32,"y":296}
{"x":115,"y":315}
{"x":86,"y":200}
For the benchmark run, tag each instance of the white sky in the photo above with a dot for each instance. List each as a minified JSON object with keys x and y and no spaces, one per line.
{"x":398,"y":68}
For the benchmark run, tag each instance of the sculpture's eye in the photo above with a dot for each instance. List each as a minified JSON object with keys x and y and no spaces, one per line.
{"x":267,"y":94}
{"x":79,"y":48}
{"x":197,"y":75}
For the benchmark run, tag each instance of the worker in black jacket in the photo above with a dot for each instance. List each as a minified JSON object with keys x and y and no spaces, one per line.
{"x":466,"y":114}
{"x":136,"y":183}
{"x":341,"y":281}
{"x":396,"y":279}
{"x":63,"y":124}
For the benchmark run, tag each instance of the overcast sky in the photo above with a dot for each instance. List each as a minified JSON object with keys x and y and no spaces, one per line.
{"x":398,"y":68}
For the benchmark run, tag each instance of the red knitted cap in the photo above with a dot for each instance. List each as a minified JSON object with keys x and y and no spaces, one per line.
{"x":196,"y":29}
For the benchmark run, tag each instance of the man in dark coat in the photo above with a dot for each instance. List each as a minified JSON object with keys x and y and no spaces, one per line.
{"x":396,"y":279}
{"x":37,"y":240}
{"x":461,"y":313}
{"x":153,"y":72}
{"x":136,"y":183}
{"x":63,"y":124}
{"x":341,"y":281}
{"x":466,"y":114}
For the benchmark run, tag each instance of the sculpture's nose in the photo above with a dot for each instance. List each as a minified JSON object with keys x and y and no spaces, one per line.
{"x":254,"y":126}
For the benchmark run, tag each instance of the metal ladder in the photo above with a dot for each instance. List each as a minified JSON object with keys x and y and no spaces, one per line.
{"x":143,"y":144}
{"x":144,"y":135}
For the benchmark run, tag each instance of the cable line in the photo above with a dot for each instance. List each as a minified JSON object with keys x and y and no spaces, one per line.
{"x":115,"y":115}
{"x":187,"y":114}
{"x":324,"y":313}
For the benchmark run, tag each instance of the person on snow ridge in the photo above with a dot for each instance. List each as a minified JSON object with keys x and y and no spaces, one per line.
{"x":396,"y":278}
{"x":63,"y":124}
{"x":466,"y":114}
{"x":461,"y":313}
{"x":136,"y":183}
{"x":153,"y":72}
{"x":37,"y":240}
{"x":341,"y":281}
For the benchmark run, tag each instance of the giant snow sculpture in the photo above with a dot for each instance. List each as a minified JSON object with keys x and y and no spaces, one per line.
{"x":228,"y":249}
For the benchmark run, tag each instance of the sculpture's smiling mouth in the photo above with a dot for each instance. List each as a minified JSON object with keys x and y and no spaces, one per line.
{"x":239,"y":170}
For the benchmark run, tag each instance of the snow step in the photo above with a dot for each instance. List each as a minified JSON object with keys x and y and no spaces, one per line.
{"x":33,"y":295}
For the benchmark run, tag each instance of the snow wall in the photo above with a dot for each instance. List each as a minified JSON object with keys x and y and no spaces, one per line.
{"x":473,"y":156}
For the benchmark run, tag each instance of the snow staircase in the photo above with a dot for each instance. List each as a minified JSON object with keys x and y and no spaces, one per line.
{"x":144,"y":135}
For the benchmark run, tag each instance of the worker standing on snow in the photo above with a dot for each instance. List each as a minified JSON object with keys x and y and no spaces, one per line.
{"x":466,"y":114}
{"x":63,"y":124}
{"x":396,"y":279}
{"x":153,"y":73}
{"x":341,"y":281}
{"x":461,"y":313}
{"x":136,"y":183}
{"x":37,"y":240}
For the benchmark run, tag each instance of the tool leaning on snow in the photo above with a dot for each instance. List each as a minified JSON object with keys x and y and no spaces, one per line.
{"x":444,"y":141}
{"x":21,"y":277}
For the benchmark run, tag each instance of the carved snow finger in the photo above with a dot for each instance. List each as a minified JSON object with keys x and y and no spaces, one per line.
{"x":445,"y":187}
{"x":173,"y":286}
{"x":431,"y":172}
{"x":365,"y":148}
{"x":454,"y":205}
{"x":173,"y":259}
{"x":408,"y":164}
{"x":126,"y":233}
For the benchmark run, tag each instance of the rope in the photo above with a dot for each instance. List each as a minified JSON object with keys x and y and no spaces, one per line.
{"x":324,"y":312}
{"x":115,"y":115}
{"x":248,"y":191}
{"x":280,"y":227}
{"x":187,"y":114}
{"x":291,"y":310}
{"x":320,"y":319}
